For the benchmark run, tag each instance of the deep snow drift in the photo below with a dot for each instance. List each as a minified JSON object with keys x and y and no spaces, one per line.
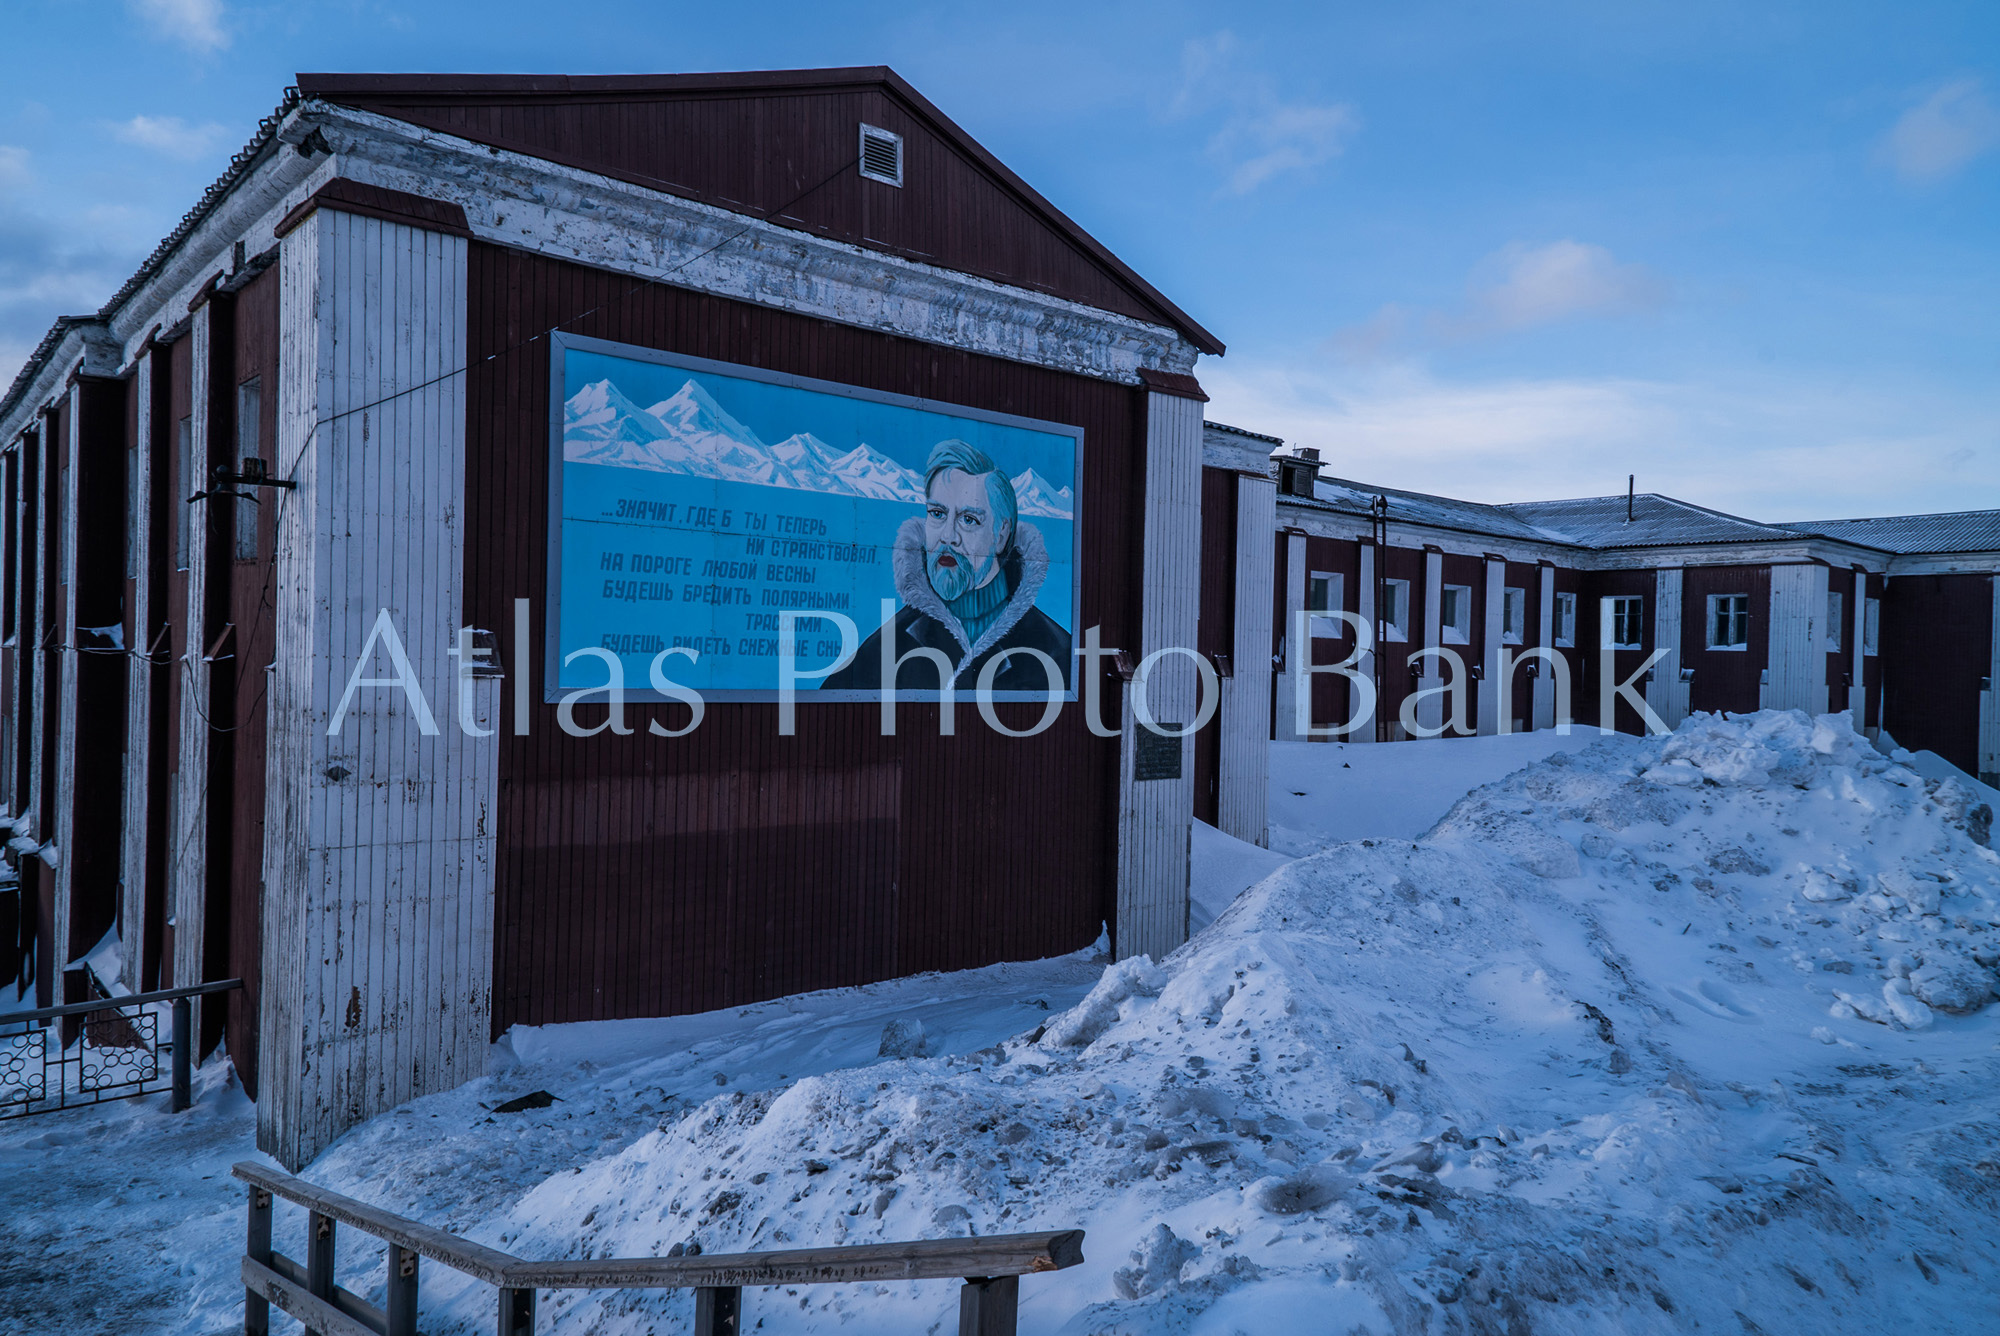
{"x":1652,"y":1035}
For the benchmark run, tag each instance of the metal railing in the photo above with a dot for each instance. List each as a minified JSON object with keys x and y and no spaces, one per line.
{"x":115,"y":1053}
{"x":990,"y":1269}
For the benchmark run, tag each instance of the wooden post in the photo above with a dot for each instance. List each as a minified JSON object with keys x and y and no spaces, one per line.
{"x":517,"y":1313}
{"x":718,"y":1310}
{"x":184,"y":1063}
{"x":319,"y":1258}
{"x":401,"y":1304}
{"x":987,"y":1307}
{"x":257,"y":1247}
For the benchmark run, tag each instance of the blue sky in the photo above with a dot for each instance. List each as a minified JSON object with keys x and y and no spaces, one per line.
{"x":1503,"y":251}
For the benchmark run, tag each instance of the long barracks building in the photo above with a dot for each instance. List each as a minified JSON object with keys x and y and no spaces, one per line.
{"x":499,"y":385}
{"x":402,"y":576}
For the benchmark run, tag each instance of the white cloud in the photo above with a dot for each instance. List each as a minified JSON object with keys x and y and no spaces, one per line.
{"x":1520,"y":286}
{"x":1774,"y":449}
{"x":1261,"y":135}
{"x":1943,"y":132}
{"x":170,"y":135}
{"x":1538,"y":285}
{"x":195,"y":24}
{"x":14,"y":173}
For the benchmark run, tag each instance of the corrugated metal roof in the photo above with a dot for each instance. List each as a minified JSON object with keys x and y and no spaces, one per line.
{"x":1442,"y":511}
{"x":1955,"y":531}
{"x":1657,"y":521}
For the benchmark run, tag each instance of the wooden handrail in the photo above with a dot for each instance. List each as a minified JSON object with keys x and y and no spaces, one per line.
{"x":474,"y":1259}
{"x":990,"y":1267}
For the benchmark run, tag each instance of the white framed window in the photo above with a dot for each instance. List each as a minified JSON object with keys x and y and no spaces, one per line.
{"x":1395,"y":610}
{"x":1513,"y":615}
{"x":1836,"y":609}
{"x":1455,"y":614}
{"x":1728,"y":621}
{"x":1624,"y":619}
{"x":1325,"y":591}
{"x":1871,"y":625}
{"x":1565,"y":620}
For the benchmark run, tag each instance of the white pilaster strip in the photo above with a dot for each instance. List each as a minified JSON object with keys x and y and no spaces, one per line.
{"x":1156,"y":817}
{"x":1493,"y":700}
{"x":138,"y":683}
{"x":187,"y":848}
{"x":1666,"y":694}
{"x":1364,"y":608}
{"x":61,"y":823}
{"x":1798,"y":654}
{"x":1430,"y":710}
{"x":1545,"y":681}
{"x":378,"y":853}
{"x":1857,"y":673}
{"x":1246,"y":697}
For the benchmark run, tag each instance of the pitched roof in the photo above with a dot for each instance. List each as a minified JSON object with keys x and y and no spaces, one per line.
{"x":1656,"y":521}
{"x":1441,"y":511}
{"x":1954,"y":531}
{"x":748,"y":141}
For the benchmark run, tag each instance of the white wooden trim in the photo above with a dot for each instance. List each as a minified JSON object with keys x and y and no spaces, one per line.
{"x":1430,"y":710}
{"x":1156,"y":818}
{"x":138,"y":681}
{"x":1545,"y":637}
{"x":379,"y":847}
{"x":187,"y":848}
{"x":61,"y":823}
{"x":1666,"y":694}
{"x":1797,"y":661}
{"x":1364,"y":608}
{"x":1242,"y":809}
{"x":1492,"y":700}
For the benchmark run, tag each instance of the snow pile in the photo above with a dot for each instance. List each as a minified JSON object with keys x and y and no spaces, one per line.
{"x":1662,"y":1033}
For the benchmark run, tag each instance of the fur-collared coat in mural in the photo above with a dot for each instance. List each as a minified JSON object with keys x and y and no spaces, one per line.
{"x":924,"y":622}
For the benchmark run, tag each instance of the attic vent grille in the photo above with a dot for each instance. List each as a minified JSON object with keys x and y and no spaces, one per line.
{"x":881,"y":155}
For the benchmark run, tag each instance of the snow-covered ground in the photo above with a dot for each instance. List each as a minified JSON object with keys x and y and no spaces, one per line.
{"x":1650,"y":1035}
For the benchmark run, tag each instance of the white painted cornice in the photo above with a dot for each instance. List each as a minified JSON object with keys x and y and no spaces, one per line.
{"x":532,"y":204}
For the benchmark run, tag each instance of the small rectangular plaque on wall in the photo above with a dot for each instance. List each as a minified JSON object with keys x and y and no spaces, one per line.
{"x":1156,"y":755}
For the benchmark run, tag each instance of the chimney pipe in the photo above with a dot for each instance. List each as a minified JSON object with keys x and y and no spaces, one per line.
{"x":1631,"y":480}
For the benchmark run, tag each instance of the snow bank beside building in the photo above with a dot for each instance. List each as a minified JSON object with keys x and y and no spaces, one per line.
{"x":1660,"y":1033}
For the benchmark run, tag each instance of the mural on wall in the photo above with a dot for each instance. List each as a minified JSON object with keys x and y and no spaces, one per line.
{"x":694,"y":501}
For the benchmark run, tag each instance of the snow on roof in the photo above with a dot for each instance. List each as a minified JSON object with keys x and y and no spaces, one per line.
{"x":1955,"y":531}
{"x":1600,"y":521}
{"x":1442,"y":511}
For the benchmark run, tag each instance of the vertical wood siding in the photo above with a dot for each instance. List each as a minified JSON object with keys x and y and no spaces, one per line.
{"x":1246,"y":697}
{"x":1291,"y":598}
{"x":1666,"y":694}
{"x":792,"y":158}
{"x":379,"y":849}
{"x":251,"y":612}
{"x":1725,"y":679}
{"x":1936,"y":645}
{"x":1332,"y":695}
{"x":1154,"y":816}
{"x":1798,"y":634}
{"x":1215,"y":628}
{"x":1494,"y":694}
{"x":677,"y":885}
{"x":1988,"y":768}
{"x":188,"y":839}
{"x":132,"y":838}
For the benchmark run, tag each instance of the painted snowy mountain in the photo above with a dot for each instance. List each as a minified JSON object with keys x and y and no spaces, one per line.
{"x":1036,"y":495}
{"x":689,"y":432}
